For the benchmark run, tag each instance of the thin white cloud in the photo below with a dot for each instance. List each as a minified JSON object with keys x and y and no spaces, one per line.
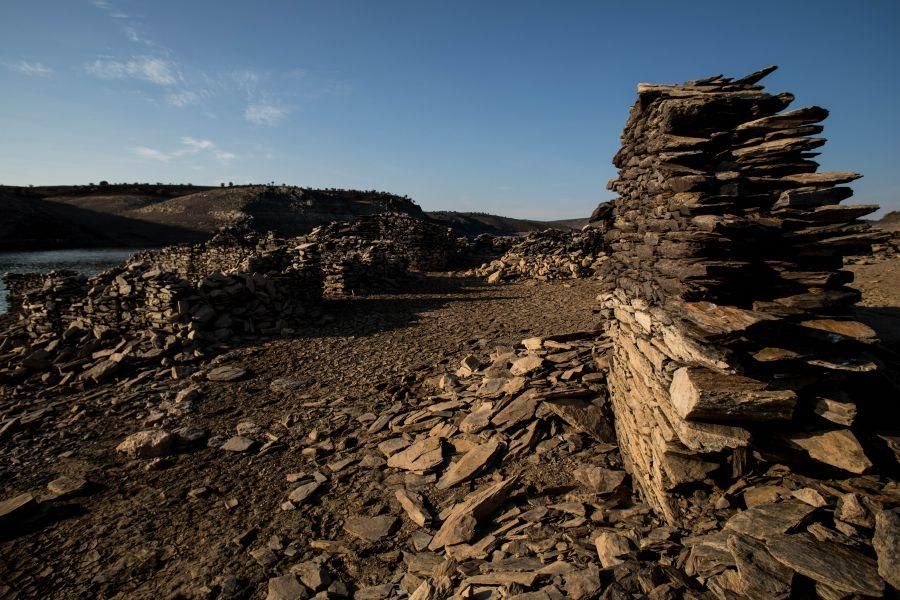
{"x":144,"y":68}
{"x":151,"y":154}
{"x":125,"y":22}
{"x":27,"y":67}
{"x":189,"y":147}
{"x":182,"y":99}
{"x":194,"y":145}
{"x":265,"y":113}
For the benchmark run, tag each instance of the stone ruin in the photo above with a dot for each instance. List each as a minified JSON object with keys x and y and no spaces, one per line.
{"x":733,"y":338}
{"x":165,"y":305}
{"x":423,"y":245}
{"x":548,"y":255}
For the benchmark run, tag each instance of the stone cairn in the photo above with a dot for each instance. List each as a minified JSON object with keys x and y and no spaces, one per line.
{"x":549,"y":255}
{"x":727,"y":307}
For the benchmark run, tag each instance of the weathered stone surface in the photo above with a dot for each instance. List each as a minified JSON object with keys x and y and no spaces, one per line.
{"x":371,"y":529}
{"x":765,"y":520}
{"x":586,"y":416}
{"x":761,"y":576}
{"x":226,"y":373}
{"x":832,"y":564}
{"x":424,"y":455}
{"x":517,"y":411}
{"x":238,"y":443}
{"x":67,"y":485}
{"x":599,"y":479}
{"x":151,"y":443}
{"x":470,"y":465}
{"x":887,"y":545}
{"x":611,"y":547}
{"x":17,"y":505}
{"x":303,"y":491}
{"x":478,"y":419}
{"x":838,"y":448}
{"x":311,"y":574}
{"x":414,"y":507}
{"x":703,"y":394}
{"x":286,"y":587}
{"x":459,"y":526}
{"x":526,"y":365}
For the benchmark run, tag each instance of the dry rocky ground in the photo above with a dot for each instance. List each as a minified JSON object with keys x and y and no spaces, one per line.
{"x":200,"y":522}
{"x":291,"y":486}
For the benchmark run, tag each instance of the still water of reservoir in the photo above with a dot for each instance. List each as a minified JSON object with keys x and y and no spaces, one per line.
{"x":88,"y":262}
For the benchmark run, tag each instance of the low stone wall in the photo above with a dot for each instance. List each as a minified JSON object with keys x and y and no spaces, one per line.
{"x":371,"y":269}
{"x":726,"y":302}
{"x":425,"y":246}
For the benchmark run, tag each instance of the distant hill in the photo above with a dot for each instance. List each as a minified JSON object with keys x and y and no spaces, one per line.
{"x":154,"y":215}
{"x":473,"y":223}
{"x":890,"y":221}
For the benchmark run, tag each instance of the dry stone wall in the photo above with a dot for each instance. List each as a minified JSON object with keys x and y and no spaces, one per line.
{"x":89,"y":329}
{"x":727,"y":304}
{"x":425,"y":246}
{"x":549,"y":255}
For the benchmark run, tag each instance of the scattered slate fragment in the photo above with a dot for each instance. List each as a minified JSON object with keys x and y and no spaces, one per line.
{"x":17,"y":505}
{"x":761,"y":576}
{"x":599,"y":479}
{"x":286,"y":587}
{"x":459,"y":525}
{"x":371,"y":529}
{"x":470,"y":465}
{"x":832,"y":564}
{"x":151,"y":443}
{"x":226,"y":373}
{"x":312,"y":575}
{"x":887,"y":545}
{"x":67,"y":485}
{"x":583,"y":584}
{"x":586,"y":416}
{"x":414,"y":507}
{"x":478,"y":419}
{"x":303,"y":491}
{"x":838,"y":448}
{"x":611,"y":547}
{"x":423,"y":455}
{"x":238,"y":443}
{"x":764,"y":520}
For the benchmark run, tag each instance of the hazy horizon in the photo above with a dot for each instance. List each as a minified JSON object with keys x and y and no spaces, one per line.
{"x":507,"y":108}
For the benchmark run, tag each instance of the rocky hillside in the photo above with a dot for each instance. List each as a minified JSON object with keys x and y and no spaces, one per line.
{"x":153,"y":215}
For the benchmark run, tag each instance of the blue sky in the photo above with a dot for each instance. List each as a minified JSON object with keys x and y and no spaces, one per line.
{"x":511,"y":107}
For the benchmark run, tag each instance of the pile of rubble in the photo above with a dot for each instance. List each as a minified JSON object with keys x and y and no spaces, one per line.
{"x":548,"y":255}
{"x":81,"y":329}
{"x":733,"y":354}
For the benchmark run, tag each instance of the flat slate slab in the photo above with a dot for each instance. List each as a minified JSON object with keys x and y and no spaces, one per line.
{"x":371,"y":529}
{"x":835,"y":565}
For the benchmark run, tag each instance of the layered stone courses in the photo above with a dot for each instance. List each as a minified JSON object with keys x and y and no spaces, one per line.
{"x":725,"y":297}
